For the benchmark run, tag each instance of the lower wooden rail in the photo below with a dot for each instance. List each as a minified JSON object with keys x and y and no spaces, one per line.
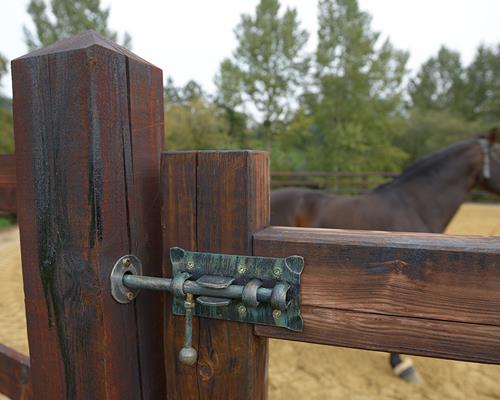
{"x":425,"y":294}
{"x":14,"y":374}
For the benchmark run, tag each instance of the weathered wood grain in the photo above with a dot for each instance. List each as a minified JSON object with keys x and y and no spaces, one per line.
{"x":232,"y":203}
{"x":417,"y":283}
{"x":14,"y":374}
{"x":445,"y":277}
{"x":74,"y":127}
{"x":214,"y":201}
{"x":178,"y":191}
{"x":145,"y":92}
{"x":417,"y":336}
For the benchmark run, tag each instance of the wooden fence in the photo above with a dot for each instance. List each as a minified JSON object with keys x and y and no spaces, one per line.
{"x":7,"y":184}
{"x":350,"y":183}
{"x":340,"y":183}
{"x":93,"y":186}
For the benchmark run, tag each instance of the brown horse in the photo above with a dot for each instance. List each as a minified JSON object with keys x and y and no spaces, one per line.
{"x":424,"y":198}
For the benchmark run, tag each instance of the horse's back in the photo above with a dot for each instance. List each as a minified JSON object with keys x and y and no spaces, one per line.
{"x":317,"y":209}
{"x":295,"y":206}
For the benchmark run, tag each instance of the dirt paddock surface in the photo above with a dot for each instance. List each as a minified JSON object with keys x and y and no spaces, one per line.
{"x":305,"y":371}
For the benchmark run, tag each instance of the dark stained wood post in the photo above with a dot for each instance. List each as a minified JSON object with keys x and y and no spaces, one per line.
{"x":88,"y":118}
{"x":215,"y":201}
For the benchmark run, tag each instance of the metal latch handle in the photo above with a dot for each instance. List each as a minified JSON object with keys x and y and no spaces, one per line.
{"x":259,"y":290}
{"x":188,"y":354}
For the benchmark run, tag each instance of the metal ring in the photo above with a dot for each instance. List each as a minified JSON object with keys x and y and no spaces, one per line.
{"x":178,"y":283}
{"x":128,"y":264}
{"x":278,"y":296}
{"x":249,"y":294}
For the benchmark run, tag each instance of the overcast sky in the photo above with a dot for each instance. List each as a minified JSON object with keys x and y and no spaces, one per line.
{"x":189,"y":38}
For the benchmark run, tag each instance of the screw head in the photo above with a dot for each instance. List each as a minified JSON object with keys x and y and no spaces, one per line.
{"x":277,"y":272}
{"x":242,"y":310}
{"x":130,"y":295}
{"x":190,"y":265}
{"x":276,"y":314}
{"x":241,"y":269}
{"x":126,"y":262}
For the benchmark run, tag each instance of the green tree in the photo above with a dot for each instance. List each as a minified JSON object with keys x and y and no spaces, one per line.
{"x":483,"y":85}
{"x":430,"y":130}
{"x":3,"y":68}
{"x":267,"y":67}
{"x":6,"y":123}
{"x":440,"y":83}
{"x":196,"y":125}
{"x":171,"y":93}
{"x":191,"y":121}
{"x":6,"y":131}
{"x":356,"y":108}
{"x":65,"y":18}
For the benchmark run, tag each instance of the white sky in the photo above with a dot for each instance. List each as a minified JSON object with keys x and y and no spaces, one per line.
{"x":189,"y":38}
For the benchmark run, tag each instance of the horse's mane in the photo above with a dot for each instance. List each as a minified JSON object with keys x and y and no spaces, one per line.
{"x":428,"y":165}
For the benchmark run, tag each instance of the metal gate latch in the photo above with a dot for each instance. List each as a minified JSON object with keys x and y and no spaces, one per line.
{"x":258,"y":290}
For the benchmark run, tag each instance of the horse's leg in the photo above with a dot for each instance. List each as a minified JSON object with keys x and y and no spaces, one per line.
{"x":404,"y":368}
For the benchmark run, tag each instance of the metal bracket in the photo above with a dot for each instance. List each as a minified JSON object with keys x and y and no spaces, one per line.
{"x":125,"y":265}
{"x":258,"y":290}
{"x":270,"y":287}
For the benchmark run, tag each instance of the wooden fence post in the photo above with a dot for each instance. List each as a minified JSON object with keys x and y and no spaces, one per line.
{"x":88,"y":118}
{"x":215,"y":201}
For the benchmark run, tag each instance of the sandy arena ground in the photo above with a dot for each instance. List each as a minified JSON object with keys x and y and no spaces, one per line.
{"x":306,"y":371}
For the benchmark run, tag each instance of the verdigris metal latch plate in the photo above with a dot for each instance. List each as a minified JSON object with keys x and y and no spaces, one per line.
{"x":274,"y":274}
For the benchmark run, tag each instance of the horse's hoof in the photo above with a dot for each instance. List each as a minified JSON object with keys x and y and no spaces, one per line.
{"x":406,"y":371}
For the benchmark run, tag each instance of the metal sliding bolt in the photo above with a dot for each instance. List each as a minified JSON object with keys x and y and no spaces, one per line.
{"x":188,"y":354}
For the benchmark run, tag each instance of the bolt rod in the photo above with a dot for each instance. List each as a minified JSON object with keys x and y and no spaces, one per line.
{"x":154,"y":283}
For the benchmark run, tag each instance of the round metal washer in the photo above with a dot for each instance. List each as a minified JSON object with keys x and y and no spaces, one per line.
{"x":249,"y":295}
{"x":128,"y":264}
{"x":278,"y":296}
{"x":178,"y":284}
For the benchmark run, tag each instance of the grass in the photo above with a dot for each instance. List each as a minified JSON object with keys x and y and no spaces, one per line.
{"x":7,"y":220}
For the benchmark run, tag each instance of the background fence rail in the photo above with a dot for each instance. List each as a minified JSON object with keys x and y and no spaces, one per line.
{"x":349,"y":183}
{"x":340,"y":183}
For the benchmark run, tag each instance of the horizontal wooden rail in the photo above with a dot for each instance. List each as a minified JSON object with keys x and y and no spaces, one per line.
{"x":7,"y":183}
{"x":332,"y":174}
{"x":425,"y":294}
{"x":14,"y":374}
{"x":348,"y":183}
{"x":7,"y":170}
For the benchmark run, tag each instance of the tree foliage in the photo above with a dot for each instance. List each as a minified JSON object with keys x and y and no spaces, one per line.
{"x":267,"y":67}
{"x":6,"y":122}
{"x":3,"y":68}
{"x":192,"y":121}
{"x":65,"y":18}
{"x":6,"y":131}
{"x":359,"y":92}
{"x":483,"y":85}
{"x":440,"y":83}
{"x":429,"y":130}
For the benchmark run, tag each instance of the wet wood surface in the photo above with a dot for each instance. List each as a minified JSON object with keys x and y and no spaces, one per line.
{"x":218,"y":201}
{"x":80,"y":159}
{"x":425,"y":294}
{"x":178,"y":216}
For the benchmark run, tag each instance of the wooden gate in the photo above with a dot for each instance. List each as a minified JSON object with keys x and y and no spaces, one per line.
{"x":93,"y":185}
